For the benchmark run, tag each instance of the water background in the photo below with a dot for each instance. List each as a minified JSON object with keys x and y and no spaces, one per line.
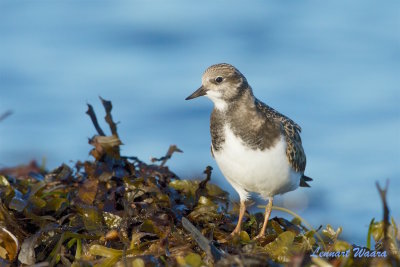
{"x":332,"y":66}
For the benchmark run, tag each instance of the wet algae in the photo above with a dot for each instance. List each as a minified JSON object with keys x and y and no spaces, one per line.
{"x":117,"y":210}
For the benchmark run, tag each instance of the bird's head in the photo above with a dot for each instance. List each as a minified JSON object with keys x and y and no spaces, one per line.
{"x":222,"y":83}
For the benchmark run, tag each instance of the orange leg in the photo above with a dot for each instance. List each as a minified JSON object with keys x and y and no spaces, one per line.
{"x":241,"y":214}
{"x":268,"y":209}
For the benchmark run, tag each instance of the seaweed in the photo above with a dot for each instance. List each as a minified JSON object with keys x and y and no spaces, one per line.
{"x":117,"y":210}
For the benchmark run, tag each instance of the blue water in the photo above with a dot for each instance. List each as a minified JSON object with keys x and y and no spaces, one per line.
{"x":332,"y":66}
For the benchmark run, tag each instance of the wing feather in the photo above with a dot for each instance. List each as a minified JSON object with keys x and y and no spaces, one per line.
{"x":291,"y":131}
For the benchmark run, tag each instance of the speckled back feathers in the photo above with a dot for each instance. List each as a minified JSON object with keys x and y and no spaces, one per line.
{"x":291,"y":131}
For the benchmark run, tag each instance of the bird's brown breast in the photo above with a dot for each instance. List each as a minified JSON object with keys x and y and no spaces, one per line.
{"x":256,"y":131}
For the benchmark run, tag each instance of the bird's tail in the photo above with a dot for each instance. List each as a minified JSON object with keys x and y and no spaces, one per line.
{"x":303,"y":181}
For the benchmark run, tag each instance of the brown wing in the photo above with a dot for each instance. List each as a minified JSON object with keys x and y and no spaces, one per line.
{"x":294,"y":149}
{"x":291,"y":131}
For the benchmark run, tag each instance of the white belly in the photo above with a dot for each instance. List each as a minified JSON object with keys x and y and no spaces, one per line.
{"x":266,"y":172}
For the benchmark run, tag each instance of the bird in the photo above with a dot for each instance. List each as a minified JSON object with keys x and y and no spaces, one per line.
{"x":257,"y":149}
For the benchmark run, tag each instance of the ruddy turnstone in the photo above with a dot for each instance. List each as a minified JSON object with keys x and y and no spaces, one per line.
{"x":257,"y":148}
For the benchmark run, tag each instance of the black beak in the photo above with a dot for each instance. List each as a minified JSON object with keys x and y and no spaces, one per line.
{"x":199,"y":92}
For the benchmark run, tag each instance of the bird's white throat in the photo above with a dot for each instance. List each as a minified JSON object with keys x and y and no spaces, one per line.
{"x":216,"y":98}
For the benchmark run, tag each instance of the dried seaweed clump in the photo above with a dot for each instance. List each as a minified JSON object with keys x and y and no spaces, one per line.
{"x":120,"y":211}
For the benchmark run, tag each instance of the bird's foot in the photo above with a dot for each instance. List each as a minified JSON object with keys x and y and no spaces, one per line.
{"x":232,"y":236}
{"x":235,"y":232}
{"x":259,"y":236}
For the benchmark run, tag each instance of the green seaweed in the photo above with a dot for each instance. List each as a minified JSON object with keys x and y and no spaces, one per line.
{"x":116,"y":210}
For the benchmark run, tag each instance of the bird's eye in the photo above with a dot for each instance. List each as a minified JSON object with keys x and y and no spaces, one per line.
{"x":219,"y":79}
